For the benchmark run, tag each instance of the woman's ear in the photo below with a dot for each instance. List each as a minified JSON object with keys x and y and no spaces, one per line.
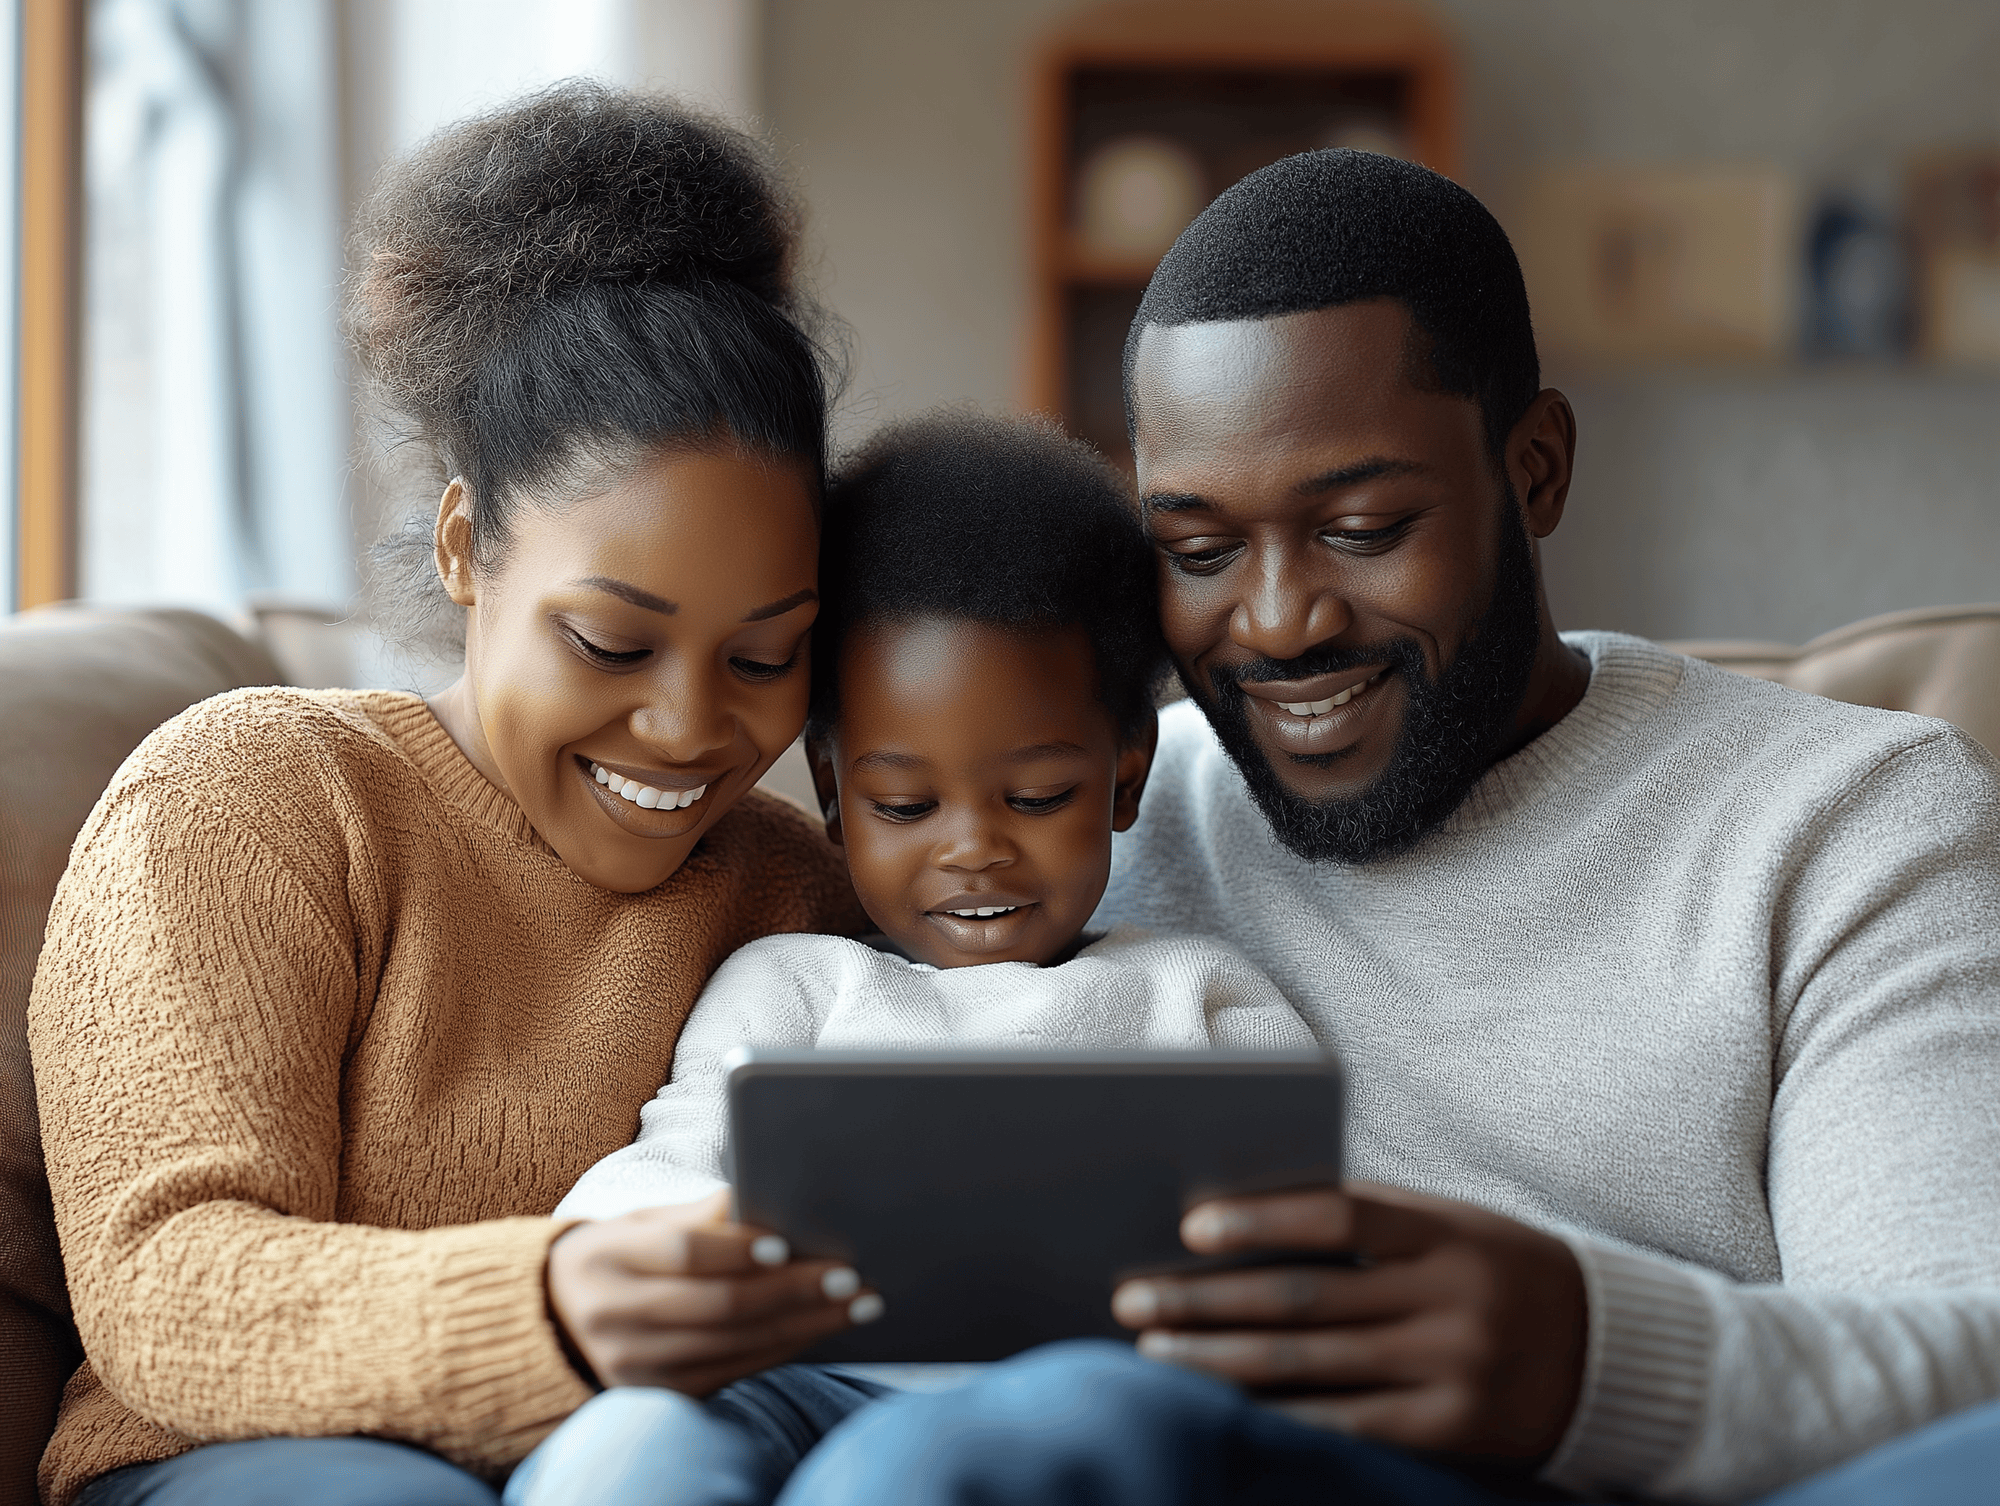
{"x":1135,"y":762}
{"x":819,"y":754}
{"x":451,"y":543}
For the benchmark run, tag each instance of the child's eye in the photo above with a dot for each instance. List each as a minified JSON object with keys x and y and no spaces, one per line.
{"x":909,"y":810}
{"x":757,"y":669}
{"x":1036,"y":804}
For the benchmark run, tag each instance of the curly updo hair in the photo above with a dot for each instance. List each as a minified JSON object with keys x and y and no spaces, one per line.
{"x":1007,"y":522}
{"x":542,"y":296}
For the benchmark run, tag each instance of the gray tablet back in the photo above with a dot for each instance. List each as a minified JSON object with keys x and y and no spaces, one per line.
{"x":995,"y":1199}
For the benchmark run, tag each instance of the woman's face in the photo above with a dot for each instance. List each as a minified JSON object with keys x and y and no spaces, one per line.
{"x":636,"y":659}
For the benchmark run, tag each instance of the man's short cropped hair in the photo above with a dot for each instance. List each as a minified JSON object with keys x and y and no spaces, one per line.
{"x":1008,"y":522}
{"x":1333,"y":227}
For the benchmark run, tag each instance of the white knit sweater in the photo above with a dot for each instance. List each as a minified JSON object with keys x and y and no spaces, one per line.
{"x":1127,"y":990}
{"x":1706,"y":979}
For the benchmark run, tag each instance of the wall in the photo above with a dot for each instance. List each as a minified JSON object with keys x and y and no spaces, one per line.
{"x":1707,"y":503}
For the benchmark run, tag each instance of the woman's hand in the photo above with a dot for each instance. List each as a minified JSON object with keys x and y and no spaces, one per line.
{"x":682,"y":1298}
{"x":1463,"y":1332}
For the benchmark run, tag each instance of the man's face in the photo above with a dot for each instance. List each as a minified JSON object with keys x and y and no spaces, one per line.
{"x":1346,"y":582}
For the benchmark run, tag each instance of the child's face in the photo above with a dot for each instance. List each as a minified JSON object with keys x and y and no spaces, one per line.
{"x":977,"y":770}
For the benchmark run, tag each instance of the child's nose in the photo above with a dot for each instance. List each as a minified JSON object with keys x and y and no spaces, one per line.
{"x":974,"y":846}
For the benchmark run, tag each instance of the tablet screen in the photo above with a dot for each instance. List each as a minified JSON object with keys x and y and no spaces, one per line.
{"x":995,"y":1199}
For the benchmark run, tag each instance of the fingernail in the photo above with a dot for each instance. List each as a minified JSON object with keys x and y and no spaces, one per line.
{"x":865,"y":1308}
{"x":1136,"y":1303}
{"x":840,"y":1283}
{"x":1160,"y":1346}
{"x":770,"y":1249}
{"x":1212,"y":1223}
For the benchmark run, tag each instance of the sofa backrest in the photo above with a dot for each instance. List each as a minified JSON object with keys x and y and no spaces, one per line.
{"x":1939,"y":661}
{"x":78,"y":691}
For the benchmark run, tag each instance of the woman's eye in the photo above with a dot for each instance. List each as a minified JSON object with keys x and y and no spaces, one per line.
{"x":607,"y":656}
{"x":1036,"y":804}
{"x":903,"y":810}
{"x":758,"y":669}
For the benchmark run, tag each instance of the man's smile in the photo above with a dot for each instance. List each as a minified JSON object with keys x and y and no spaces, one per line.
{"x":1326,"y":714}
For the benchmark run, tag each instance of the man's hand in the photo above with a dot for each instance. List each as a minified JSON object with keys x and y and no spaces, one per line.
{"x":1462,"y":1333}
{"x":682,"y":1298}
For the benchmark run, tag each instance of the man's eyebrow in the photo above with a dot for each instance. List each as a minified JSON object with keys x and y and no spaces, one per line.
{"x":1173,"y":502}
{"x":886,"y":759}
{"x":779,"y":608}
{"x":1361,"y":470}
{"x":626,"y":591}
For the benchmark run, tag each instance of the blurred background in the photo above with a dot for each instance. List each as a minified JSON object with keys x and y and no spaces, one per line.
{"x":1762,"y":240}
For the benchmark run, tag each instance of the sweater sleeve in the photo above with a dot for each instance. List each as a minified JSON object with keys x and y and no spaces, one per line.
{"x":773,"y":992}
{"x":194,"y":1005}
{"x":1883,"y":1172}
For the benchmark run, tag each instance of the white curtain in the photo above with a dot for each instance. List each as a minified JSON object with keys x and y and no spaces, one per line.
{"x":215,"y":410}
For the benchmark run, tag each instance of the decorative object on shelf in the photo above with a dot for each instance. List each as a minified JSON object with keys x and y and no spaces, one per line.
{"x":1689,"y":263}
{"x":1145,"y":109}
{"x":1135,"y":194}
{"x":1955,"y":228}
{"x":1857,"y":282}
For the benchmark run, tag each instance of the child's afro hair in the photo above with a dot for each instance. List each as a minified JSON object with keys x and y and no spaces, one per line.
{"x":1008,"y":522}
{"x":1333,"y":227}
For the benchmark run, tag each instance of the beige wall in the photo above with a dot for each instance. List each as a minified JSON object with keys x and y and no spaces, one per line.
{"x":1707,"y":503}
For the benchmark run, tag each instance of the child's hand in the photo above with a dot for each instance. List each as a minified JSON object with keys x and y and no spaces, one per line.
{"x":682,"y":1298}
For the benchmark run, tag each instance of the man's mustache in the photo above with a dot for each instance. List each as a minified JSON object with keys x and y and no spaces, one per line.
{"x":1402,"y":654}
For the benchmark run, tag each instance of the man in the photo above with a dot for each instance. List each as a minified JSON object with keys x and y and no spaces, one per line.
{"x":1670,"y":1000}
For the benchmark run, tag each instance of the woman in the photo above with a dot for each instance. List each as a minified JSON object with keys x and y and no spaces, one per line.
{"x":343,"y":990}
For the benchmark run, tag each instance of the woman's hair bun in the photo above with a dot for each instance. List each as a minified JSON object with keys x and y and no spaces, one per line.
{"x":579,"y":184}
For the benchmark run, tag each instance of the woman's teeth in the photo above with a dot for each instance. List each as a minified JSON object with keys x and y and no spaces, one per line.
{"x":644,"y":795}
{"x":984,"y":912}
{"x":1321,"y":708}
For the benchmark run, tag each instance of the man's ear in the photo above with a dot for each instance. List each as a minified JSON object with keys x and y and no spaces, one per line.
{"x":820,"y":755}
{"x":1135,"y":762}
{"x":451,"y":543}
{"x":1541,"y":457}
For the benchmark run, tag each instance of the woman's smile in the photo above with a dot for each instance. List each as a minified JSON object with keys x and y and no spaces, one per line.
{"x":645,"y":802}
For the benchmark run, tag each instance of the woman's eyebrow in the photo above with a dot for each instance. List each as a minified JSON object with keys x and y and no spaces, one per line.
{"x":779,"y":608}
{"x":626,"y":591}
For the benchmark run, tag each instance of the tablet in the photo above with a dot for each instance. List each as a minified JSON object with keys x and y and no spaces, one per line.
{"x":995,"y":1199}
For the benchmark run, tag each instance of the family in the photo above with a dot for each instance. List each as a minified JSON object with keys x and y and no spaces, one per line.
{"x":1669,"y":1000}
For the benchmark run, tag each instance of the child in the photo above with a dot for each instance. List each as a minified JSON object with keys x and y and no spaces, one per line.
{"x":982,"y":721}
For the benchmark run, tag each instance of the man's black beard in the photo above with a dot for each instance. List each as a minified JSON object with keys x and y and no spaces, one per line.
{"x":1453,"y":728}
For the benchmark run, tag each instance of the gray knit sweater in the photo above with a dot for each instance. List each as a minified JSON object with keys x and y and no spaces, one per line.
{"x":1707,"y":980}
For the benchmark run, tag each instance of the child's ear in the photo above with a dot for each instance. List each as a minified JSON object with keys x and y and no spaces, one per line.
{"x":820,"y":755}
{"x":1135,"y":762}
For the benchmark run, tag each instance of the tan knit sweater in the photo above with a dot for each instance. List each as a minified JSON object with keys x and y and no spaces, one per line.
{"x":322,"y":1031}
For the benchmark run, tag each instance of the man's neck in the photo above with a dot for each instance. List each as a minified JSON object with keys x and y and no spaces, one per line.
{"x":1556,"y":683}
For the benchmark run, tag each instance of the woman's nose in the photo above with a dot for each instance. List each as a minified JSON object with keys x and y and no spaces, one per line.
{"x":684,"y":714}
{"x":1287,"y":608}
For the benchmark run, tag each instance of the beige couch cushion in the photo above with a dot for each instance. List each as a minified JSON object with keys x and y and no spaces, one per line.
{"x":1939,"y":661}
{"x":78,"y":691}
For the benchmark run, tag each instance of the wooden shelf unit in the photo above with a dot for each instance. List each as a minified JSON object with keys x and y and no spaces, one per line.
{"x":1239,"y":83}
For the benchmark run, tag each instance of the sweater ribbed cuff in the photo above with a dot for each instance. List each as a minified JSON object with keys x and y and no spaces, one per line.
{"x":506,"y":1380}
{"x":1645,"y":1380}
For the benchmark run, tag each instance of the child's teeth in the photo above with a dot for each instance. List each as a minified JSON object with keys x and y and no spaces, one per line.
{"x":984,"y":912}
{"x":644,"y":795}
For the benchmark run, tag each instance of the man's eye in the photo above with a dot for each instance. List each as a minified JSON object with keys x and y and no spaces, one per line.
{"x":903,"y":810}
{"x":1367,"y":540}
{"x":597,"y":653}
{"x":1202,"y":561}
{"x":757,"y":669}
{"x":1036,"y":804}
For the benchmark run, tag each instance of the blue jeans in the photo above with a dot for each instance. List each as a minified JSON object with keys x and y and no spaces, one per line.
{"x":1083,"y":1424}
{"x":1092,"y":1424}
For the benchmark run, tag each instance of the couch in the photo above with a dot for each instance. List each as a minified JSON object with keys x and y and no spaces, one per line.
{"x":79,"y":689}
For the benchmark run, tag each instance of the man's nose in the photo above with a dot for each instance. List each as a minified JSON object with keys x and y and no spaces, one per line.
{"x":1287,"y":609}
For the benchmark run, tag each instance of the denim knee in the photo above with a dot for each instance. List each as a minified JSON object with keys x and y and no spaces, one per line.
{"x":639,"y":1446}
